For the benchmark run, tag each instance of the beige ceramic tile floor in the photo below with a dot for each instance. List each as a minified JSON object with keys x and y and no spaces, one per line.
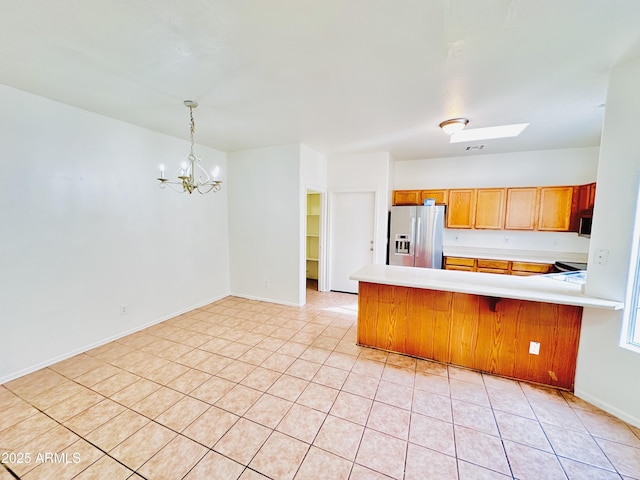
{"x":251,"y":390}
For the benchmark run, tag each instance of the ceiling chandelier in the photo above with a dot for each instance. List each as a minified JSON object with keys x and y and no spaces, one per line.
{"x":191,"y":176}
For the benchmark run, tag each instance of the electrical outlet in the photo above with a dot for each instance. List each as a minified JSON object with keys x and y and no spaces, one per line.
{"x":267,"y":283}
{"x":123,"y":309}
{"x":505,"y":240}
{"x":534,"y":348}
{"x":602,"y":256}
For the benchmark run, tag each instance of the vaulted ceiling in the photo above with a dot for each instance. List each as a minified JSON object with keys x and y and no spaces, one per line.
{"x":342,"y":76}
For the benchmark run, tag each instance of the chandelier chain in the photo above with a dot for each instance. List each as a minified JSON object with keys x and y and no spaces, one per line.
{"x":193,"y":127}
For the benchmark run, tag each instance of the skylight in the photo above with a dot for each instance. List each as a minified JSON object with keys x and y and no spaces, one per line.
{"x":488,"y":133}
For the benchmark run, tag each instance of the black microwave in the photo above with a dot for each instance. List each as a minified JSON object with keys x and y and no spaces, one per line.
{"x":584,"y":227}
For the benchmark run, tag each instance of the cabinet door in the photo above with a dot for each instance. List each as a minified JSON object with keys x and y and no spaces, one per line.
{"x":584,"y":197}
{"x":406,"y":197}
{"x":555,"y":208}
{"x":521,"y":208}
{"x":581,"y":203}
{"x":440,"y":196}
{"x":461,"y":208}
{"x":592,"y":194}
{"x":490,"y":208}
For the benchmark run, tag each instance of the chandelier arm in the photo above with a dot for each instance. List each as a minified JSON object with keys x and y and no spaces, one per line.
{"x":175,"y":186}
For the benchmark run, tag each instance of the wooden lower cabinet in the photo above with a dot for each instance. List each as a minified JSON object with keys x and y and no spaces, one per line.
{"x":503,"y":267}
{"x":460,"y":263}
{"x":483,"y":333}
{"x":529,"y":268}
{"x":492,"y":266}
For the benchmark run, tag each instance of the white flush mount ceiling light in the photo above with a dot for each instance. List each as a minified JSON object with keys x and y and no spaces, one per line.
{"x":191,"y":176}
{"x":488,"y":133}
{"x":454,"y":125}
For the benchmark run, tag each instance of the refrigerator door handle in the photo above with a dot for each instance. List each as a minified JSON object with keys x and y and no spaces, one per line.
{"x":418,"y":235}
{"x":412,"y":237}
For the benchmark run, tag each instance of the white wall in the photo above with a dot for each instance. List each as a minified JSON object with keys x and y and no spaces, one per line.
{"x":265,"y":223}
{"x":85,"y":228}
{"x":571,"y":166}
{"x":365,"y":172}
{"x":607,"y":374}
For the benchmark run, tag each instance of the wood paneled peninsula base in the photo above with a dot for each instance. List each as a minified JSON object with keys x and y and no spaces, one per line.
{"x":484,"y":331}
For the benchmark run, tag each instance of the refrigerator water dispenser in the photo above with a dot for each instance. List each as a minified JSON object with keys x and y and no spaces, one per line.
{"x":402,"y":244}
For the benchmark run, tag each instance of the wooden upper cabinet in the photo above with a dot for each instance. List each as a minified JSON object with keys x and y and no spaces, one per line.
{"x":406,"y":197}
{"x":521,"y":208}
{"x":586,"y":196}
{"x":490,"y":208}
{"x":592,"y":194}
{"x":440,"y":196}
{"x":524,"y":208}
{"x":461,"y":208}
{"x":555,"y":208}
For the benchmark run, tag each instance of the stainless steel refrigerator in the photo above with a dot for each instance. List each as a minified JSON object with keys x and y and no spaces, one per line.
{"x":415,"y":236}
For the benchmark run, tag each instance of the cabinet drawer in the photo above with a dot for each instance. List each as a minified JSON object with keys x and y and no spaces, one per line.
{"x":531,"y":267}
{"x":466,"y":268}
{"x":500,"y":264}
{"x":461,"y":261}
{"x":500,"y":271}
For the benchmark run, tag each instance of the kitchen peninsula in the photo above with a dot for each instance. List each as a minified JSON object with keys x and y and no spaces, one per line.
{"x":482,"y":321}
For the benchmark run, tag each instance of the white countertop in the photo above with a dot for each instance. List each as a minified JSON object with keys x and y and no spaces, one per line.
{"x":536,"y":256}
{"x":536,"y":288}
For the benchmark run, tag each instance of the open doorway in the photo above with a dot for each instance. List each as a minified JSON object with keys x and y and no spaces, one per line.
{"x":314,"y":240}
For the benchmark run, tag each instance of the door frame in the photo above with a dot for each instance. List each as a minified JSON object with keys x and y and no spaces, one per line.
{"x":331,"y":216}
{"x":322,"y":241}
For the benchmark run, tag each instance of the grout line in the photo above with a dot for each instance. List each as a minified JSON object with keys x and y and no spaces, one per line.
{"x":289,"y":318}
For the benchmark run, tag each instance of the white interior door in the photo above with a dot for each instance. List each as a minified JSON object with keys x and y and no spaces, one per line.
{"x":352,"y":233}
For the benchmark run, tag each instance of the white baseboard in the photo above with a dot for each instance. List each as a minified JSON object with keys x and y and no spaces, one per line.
{"x":616,"y":412}
{"x":268,"y":300}
{"x":99,"y":343}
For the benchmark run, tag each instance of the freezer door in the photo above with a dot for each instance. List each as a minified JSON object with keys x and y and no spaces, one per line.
{"x":429,"y":236}
{"x":402,"y":235}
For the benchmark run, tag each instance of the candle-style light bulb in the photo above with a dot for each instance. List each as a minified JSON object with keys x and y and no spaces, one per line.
{"x":162,"y":171}
{"x":216,"y":172}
